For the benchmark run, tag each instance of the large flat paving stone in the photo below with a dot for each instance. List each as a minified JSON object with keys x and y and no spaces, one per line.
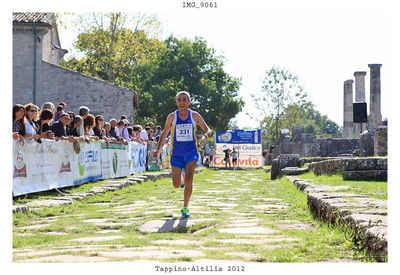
{"x":258,"y":240}
{"x":97,"y":239}
{"x":159,"y":254}
{"x":67,"y":259}
{"x":108,"y":222}
{"x":169,"y":225}
{"x":297,"y":226}
{"x":35,"y":226}
{"x":178,"y":242}
{"x":248,"y":230}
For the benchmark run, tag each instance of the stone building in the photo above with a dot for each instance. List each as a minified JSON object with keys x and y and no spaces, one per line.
{"x":38,"y":76}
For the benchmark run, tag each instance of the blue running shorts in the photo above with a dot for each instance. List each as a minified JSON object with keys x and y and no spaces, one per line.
{"x":182,"y":161}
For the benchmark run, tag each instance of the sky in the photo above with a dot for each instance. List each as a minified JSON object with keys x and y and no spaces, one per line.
{"x":323,"y":44}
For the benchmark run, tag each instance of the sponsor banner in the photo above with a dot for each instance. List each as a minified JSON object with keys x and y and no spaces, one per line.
{"x":44,"y":166}
{"x":152,"y":163}
{"x":243,"y":161}
{"x":87,"y":164}
{"x":239,"y":137}
{"x":250,"y":155}
{"x":39,"y":167}
{"x":138,"y":154}
{"x":243,"y":149}
{"x":115,"y":160}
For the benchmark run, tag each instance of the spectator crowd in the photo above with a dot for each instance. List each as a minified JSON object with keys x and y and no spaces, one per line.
{"x":49,"y":122}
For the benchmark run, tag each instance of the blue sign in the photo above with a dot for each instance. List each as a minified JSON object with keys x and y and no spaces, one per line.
{"x":239,"y":137}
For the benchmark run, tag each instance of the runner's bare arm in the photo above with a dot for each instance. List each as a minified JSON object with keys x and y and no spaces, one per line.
{"x":167,"y":128}
{"x":200,"y":121}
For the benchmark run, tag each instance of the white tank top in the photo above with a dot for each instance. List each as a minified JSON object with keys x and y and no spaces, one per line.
{"x":29,"y":129}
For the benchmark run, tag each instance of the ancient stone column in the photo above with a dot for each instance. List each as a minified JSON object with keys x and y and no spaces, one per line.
{"x":375,"y":96}
{"x":348,"y":109}
{"x":360,"y":97}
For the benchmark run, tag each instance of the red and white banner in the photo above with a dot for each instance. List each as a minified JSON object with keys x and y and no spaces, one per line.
{"x":250,"y":155}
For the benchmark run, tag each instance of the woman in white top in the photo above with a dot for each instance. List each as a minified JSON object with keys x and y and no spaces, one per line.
{"x":31,"y":128}
{"x":89,"y":123}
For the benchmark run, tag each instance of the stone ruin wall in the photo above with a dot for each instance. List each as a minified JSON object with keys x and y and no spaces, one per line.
{"x":304,"y":145}
{"x":371,"y":143}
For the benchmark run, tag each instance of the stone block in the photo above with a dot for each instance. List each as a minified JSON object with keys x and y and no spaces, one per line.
{"x":380,"y":141}
{"x":297,"y":132}
{"x":307,"y":149}
{"x":284,"y":133}
{"x":275,"y":171}
{"x":350,"y":164}
{"x":340,"y":146}
{"x":381,"y":164}
{"x":288,"y":160}
{"x":366,"y":164}
{"x":365,"y":175}
{"x":294,"y":170}
{"x":334,"y":166}
{"x":297,"y":148}
{"x":366,"y":144}
{"x":307,"y":138}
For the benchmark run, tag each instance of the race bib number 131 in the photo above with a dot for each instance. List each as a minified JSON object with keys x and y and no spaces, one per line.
{"x":184,"y":132}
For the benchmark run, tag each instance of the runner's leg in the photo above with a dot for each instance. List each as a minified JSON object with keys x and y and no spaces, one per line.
{"x":176,"y":176}
{"x":189,"y":173}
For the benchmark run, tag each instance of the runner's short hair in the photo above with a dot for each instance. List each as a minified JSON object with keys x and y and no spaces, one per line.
{"x":183,"y":92}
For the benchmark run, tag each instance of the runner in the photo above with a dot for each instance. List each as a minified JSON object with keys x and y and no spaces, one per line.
{"x":184,"y":151}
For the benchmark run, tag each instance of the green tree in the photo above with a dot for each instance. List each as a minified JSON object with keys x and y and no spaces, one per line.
{"x":182,"y":64}
{"x":280,"y":89}
{"x":284,"y":105}
{"x":108,"y":50}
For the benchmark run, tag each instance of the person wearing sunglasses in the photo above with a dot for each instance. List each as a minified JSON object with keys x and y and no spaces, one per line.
{"x":31,"y":128}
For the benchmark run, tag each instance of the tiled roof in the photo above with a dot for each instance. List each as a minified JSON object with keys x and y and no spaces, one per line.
{"x":33,"y":17}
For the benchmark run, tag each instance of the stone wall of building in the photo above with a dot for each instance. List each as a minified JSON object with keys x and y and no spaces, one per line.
{"x":55,"y":83}
{"x":333,"y":147}
{"x":75,"y":89}
{"x":23,"y":60}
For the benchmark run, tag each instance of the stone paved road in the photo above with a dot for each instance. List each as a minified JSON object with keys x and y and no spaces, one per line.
{"x":237,"y":216}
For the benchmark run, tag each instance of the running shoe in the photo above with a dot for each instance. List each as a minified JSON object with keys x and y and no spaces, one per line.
{"x":185,"y":212}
